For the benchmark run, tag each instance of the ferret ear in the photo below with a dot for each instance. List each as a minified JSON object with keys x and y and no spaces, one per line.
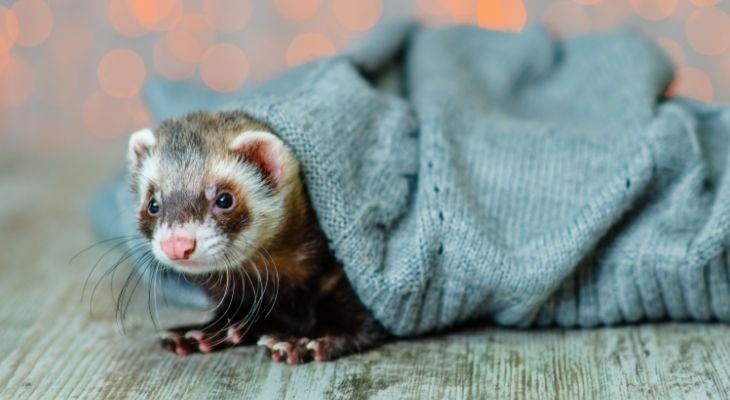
{"x":265,"y":150}
{"x":139,"y":145}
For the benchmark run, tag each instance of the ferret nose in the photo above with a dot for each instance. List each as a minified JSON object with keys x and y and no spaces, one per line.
{"x":177,"y":248}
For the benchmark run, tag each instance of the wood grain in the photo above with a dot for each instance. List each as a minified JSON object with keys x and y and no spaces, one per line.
{"x":52,"y":346}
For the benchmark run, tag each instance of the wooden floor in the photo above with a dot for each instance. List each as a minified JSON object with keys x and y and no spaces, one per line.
{"x":53,"y":347}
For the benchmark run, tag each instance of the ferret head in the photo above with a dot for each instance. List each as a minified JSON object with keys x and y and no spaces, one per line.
{"x":211,"y":190}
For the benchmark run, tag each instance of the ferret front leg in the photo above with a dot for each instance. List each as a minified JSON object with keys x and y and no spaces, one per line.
{"x":204,"y":338}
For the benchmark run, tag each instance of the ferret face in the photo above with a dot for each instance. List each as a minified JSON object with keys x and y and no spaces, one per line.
{"x":211,"y":189}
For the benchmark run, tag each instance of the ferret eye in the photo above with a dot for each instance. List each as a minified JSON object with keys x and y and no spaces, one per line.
{"x":224,"y":201}
{"x":153,"y":207}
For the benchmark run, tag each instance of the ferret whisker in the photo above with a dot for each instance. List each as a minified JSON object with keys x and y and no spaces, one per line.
{"x":96,"y":264}
{"x":101,"y":242}
{"x":130,"y":254}
{"x":251,"y":316}
{"x":275,"y":269}
{"x":152,"y":294}
{"x":121,"y":310}
{"x":144,"y":260}
{"x":125,"y":255}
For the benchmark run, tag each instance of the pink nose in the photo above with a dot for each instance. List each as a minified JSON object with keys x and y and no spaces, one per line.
{"x":177,"y":248}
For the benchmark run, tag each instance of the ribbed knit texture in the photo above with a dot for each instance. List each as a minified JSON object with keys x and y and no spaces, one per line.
{"x":463,"y":174}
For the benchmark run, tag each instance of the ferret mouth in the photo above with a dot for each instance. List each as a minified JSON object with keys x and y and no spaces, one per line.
{"x":194,"y":267}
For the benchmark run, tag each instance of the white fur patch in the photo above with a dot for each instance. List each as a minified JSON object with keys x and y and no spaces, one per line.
{"x":147,"y":174}
{"x":267,"y":210}
{"x":208,"y":254}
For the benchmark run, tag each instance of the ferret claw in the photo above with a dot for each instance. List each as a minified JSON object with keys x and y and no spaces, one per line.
{"x":203,"y":339}
{"x":234,"y":335}
{"x":291,"y":350}
{"x":282,"y":347}
{"x":265,"y":341}
{"x":195,"y":334}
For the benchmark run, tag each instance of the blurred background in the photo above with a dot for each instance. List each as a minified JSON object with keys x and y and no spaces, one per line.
{"x":71,"y":71}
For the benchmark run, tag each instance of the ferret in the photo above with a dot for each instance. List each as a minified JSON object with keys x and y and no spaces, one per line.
{"x":220,"y":198}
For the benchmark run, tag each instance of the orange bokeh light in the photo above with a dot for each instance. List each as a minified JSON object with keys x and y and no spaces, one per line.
{"x":703,"y":3}
{"x":559,"y":13}
{"x":109,"y":117}
{"x":462,"y":11}
{"x":503,"y":15}
{"x":673,"y":50}
{"x":121,"y":73}
{"x":270,"y":52}
{"x":691,"y":82}
{"x":68,"y":48}
{"x":224,"y":68}
{"x":17,"y":81}
{"x":297,"y":9}
{"x":708,"y":31}
{"x":307,"y":47}
{"x":610,"y":13}
{"x":357,"y":15}
{"x":433,"y":13}
{"x":121,"y":18}
{"x":151,"y":12}
{"x":8,"y":28}
{"x":228,"y":15}
{"x":654,"y":9}
{"x":191,"y":38}
{"x":35,"y":22}
{"x":157,"y":15}
{"x":168,"y":65}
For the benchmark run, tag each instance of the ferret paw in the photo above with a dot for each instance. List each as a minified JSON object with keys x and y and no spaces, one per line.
{"x":293,"y":350}
{"x":187,"y":340}
{"x":290,"y":350}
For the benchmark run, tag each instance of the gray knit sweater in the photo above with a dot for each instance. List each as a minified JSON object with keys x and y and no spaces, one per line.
{"x":464,"y":174}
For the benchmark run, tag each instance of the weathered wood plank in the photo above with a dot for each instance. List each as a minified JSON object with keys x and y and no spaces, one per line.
{"x":51,"y":346}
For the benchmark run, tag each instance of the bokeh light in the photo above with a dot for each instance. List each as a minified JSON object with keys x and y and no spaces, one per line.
{"x":433,"y":13}
{"x":168,"y":65}
{"x":69,"y":47}
{"x":228,"y":15}
{"x":121,"y":17}
{"x":50,"y":50}
{"x":270,"y":56}
{"x":611,"y":13}
{"x":462,"y":11}
{"x":17,"y":80}
{"x":191,"y":38}
{"x":297,"y":9}
{"x":8,"y":28}
{"x":703,"y":3}
{"x":158,"y":15}
{"x":673,"y":50}
{"x":503,"y":15}
{"x":121,"y":73}
{"x":654,"y":9}
{"x":224,"y":68}
{"x":308,"y":46}
{"x":152,"y":12}
{"x":108,"y":117}
{"x":35,"y":22}
{"x":692,"y":82}
{"x":357,"y":15}
{"x":708,"y":31}
{"x":562,"y":10}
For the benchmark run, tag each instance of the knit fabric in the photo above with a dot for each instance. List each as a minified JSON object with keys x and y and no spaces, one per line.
{"x":465,"y":174}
